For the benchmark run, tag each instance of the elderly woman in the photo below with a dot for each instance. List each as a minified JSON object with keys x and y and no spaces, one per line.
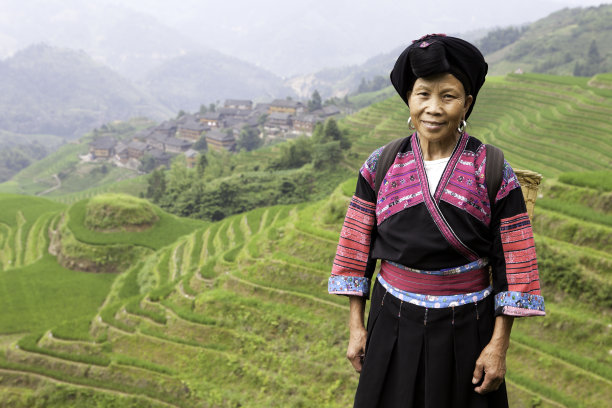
{"x":456,"y":265}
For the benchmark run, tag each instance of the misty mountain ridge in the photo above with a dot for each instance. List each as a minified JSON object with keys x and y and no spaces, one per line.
{"x":553,"y":45}
{"x":49,"y":90}
{"x":575,"y":41}
{"x":204,"y":77}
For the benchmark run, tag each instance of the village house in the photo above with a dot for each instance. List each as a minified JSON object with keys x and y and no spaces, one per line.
{"x":191,"y":157}
{"x":103,"y":147}
{"x":219,"y":140}
{"x":211,"y":119}
{"x":174,"y":145}
{"x":160,"y":158}
{"x":136,"y":150}
{"x":238,"y":104}
{"x":326,"y":111}
{"x":168,"y":128}
{"x":286,"y":106}
{"x":121,"y":152}
{"x":305,"y":123}
{"x":233,"y":113}
{"x":156,"y":140}
{"x":142,"y":135}
{"x":261,"y":109}
{"x":190,"y":129}
{"x":279,"y":120}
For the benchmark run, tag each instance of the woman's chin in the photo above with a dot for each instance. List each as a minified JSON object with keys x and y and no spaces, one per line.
{"x":435,"y":135}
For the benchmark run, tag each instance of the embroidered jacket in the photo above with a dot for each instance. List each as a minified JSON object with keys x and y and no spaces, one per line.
{"x":409,"y":227}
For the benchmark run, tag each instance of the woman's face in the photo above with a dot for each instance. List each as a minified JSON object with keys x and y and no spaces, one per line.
{"x":438,"y":104}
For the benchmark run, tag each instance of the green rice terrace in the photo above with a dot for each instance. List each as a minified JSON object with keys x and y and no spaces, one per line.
{"x":236,"y":313}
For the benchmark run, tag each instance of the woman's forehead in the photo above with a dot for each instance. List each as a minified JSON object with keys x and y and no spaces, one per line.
{"x":445,"y":79}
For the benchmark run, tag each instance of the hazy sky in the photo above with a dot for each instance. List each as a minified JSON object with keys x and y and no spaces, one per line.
{"x":362,"y":27}
{"x":286,"y":37}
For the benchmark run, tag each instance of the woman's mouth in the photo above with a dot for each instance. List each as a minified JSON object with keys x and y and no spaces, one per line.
{"x":432,"y":125}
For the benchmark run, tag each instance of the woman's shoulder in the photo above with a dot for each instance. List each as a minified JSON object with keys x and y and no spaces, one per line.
{"x":369,"y":168}
{"x":373,"y":159}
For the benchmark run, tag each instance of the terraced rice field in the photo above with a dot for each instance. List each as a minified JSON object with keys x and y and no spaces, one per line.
{"x":236,"y":313}
{"x":545,"y":123}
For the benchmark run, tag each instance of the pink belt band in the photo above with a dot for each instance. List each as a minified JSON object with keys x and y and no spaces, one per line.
{"x":434,"y":282}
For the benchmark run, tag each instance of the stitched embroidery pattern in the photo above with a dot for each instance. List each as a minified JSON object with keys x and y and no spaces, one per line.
{"x":368,"y":170}
{"x":463,"y":279}
{"x":519,"y":253}
{"x":431,"y":205}
{"x":400,"y":189}
{"x":509,"y":182}
{"x":348,"y":285}
{"x":433,"y":301}
{"x":520,"y":304}
{"x":466,"y":188}
{"x":354,"y":245}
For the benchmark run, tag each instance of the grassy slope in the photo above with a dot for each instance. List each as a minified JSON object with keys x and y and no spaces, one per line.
{"x":562,"y":38}
{"x":78,"y":177}
{"x":236,"y":306}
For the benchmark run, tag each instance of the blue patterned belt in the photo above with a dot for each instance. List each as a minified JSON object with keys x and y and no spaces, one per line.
{"x":435,"y":302}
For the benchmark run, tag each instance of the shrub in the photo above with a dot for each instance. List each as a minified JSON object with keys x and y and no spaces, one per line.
{"x":108,"y":212}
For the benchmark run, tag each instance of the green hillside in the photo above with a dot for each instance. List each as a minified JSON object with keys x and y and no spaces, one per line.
{"x":63,"y":174}
{"x":236,"y":313}
{"x":575,"y":41}
{"x":54,"y":91}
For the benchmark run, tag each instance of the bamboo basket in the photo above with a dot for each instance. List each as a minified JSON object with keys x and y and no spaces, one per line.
{"x":530,"y":182}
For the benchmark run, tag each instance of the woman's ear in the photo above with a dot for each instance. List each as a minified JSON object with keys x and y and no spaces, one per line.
{"x":468,"y":102}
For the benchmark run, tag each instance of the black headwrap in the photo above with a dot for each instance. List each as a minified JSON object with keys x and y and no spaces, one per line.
{"x":436,"y":54}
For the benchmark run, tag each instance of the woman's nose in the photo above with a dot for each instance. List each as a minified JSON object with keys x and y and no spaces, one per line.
{"x":434,"y":106}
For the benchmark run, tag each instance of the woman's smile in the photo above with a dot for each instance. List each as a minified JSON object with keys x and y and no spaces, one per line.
{"x":433,"y":125}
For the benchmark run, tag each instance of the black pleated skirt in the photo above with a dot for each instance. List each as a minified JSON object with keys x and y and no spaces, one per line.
{"x":424,"y":358}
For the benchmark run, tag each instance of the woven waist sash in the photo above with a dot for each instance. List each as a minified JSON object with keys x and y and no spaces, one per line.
{"x":469,"y":278}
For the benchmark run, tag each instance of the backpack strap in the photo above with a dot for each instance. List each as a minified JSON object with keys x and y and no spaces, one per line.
{"x":386,"y":159}
{"x":494,"y":169}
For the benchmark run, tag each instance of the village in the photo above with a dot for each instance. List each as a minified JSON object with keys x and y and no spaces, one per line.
{"x":219,"y":127}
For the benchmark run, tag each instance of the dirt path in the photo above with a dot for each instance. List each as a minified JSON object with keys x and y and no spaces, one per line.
{"x":58,"y":185}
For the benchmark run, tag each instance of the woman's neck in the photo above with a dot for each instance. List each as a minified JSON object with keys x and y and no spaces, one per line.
{"x":438,"y":149}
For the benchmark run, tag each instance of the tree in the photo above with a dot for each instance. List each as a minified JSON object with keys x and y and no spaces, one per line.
{"x":201,"y":144}
{"x":203,"y":109}
{"x":156,"y":185}
{"x":593,"y":57}
{"x":294,"y":154}
{"x":326,"y":155}
{"x":181,"y":113}
{"x":201,"y":165}
{"x":249,"y":139}
{"x":147,"y":163}
{"x":330,"y":132}
{"x":211,"y":107}
{"x":315,"y":102}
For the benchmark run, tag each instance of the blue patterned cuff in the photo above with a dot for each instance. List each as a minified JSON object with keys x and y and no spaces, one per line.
{"x":349,"y":285}
{"x":519,"y":304}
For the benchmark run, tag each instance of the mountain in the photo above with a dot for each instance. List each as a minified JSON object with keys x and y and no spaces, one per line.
{"x":337,"y":82}
{"x":62,"y":92}
{"x":187,"y":81}
{"x":575,"y":41}
{"x":128,"y":41}
{"x":340,"y":81}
